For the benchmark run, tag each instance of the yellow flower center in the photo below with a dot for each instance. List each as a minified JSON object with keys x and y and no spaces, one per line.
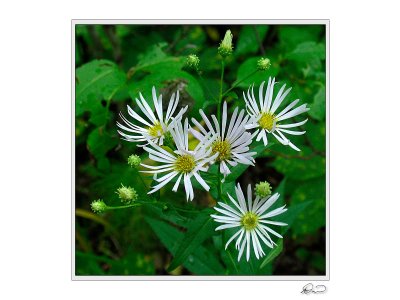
{"x":267,"y":121}
{"x":185,"y":163}
{"x":249,"y":221}
{"x":224,"y":149}
{"x":155,"y":130}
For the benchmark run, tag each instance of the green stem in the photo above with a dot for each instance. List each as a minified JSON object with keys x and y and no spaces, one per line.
{"x":219,"y":122}
{"x":220,"y":91}
{"x":219,"y":183}
{"x":123,"y":206}
{"x":235,"y":84}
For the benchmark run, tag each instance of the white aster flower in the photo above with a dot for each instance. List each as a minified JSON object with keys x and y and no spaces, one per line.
{"x":251,"y":220}
{"x":182,"y":163}
{"x":154,"y":126}
{"x":231,"y":142}
{"x":266,"y":118}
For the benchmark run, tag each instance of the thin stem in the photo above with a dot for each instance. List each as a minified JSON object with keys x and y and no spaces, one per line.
{"x":219,"y":123}
{"x":235,"y":84}
{"x":220,"y":91}
{"x":123,"y":206}
{"x":219,"y":183}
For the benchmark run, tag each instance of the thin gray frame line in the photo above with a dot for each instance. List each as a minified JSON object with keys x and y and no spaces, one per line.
{"x":325,"y":277}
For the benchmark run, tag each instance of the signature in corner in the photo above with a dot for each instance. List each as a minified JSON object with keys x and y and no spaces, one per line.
{"x":309,"y":288}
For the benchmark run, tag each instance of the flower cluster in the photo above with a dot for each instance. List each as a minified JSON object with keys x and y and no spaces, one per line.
{"x":225,"y":140}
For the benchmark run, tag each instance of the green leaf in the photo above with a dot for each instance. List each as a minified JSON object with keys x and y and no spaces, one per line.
{"x":318,"y":107}
{"x":99,"y":143}
{"x":201,"y":228}
{"x":167,"y":213}
{"x":153,"y":55}
{"x":107,"y":181}
{"x":305,"y":164}
{"x":272,"y":254}
{"x":96,"y":81}
{"x":249,"y":66}
{"x":307,"y":51}
{"x":202,"y":261}
{"x":288,"y":217}
{"x":132,"y":263}
{"x":312,"y":192}
{"x":250,"y":37}
{"x":168,"y":77}
{"x":316,"y":133}
{"x":290,"y":36}
{"x":227,"y":188}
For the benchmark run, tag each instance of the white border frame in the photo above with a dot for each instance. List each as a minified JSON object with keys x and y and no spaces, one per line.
{"x":327,"y":165}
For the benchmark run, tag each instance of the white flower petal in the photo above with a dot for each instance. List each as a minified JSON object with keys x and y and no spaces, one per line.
{"x":232,"y":238}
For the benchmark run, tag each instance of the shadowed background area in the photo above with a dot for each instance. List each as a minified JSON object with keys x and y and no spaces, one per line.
{"x":115,"y":63}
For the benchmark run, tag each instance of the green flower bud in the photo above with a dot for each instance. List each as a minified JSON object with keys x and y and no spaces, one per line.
{"x":263,"y":64}
{"x":263,"y":189}
{"x":98,"y":206}
{"x":226,"y":48}
{"x":192,"y":62}
{"x":127,"y":194}
{"x":134,"y":160}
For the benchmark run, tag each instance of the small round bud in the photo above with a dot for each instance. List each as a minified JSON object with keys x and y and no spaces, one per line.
{"x":226,"y":48}
{"x":263,"y":64}
{"x":98,"y":206}
{"x":263,"y":189}
{"x":192,"y":62}
{"x":127,"y":194}
{"x":134,"y":160}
